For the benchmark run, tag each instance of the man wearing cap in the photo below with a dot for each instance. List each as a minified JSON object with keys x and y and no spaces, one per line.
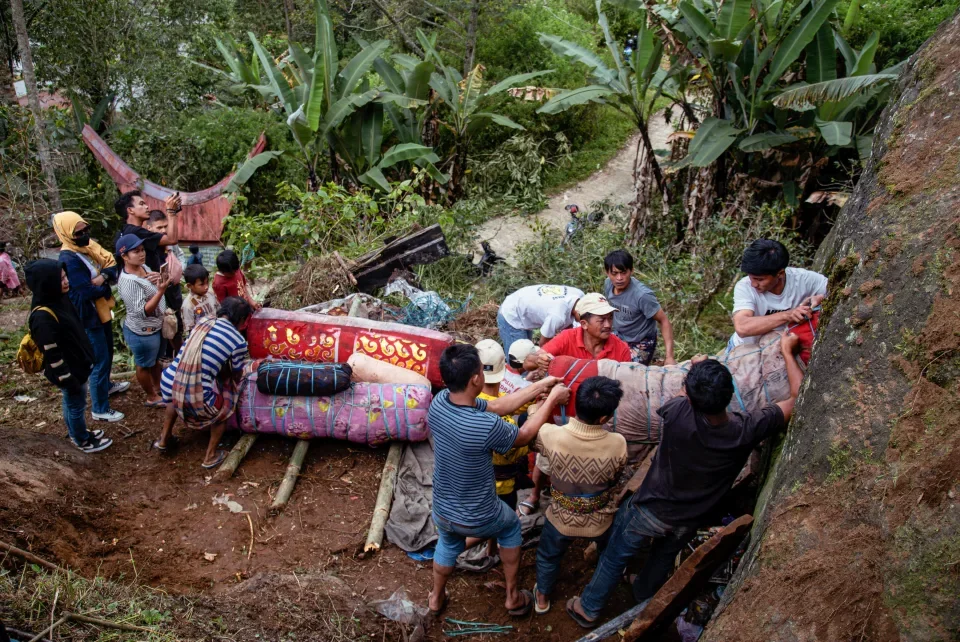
{"x":594,"y":339}
{"x":549,"y":308}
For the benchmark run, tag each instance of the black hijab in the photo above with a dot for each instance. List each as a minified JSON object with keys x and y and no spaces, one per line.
{"x":43,"y":279}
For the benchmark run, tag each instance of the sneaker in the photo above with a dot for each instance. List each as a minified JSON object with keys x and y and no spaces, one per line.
{"x":116,"y":387}
{"x":95,"y":433}
{"x":110,"y":416}
{"x":95,"y":445}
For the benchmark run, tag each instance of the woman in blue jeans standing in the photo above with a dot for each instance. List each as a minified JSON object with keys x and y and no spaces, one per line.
{"x":67,"y":353}
{"x":91,"y":270}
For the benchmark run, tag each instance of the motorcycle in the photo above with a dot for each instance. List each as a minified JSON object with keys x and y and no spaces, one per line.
{"x":488,"y":260}
{"x":579,"y":221}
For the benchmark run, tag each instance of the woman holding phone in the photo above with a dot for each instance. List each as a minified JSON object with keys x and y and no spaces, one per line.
{"x":142,"y":291}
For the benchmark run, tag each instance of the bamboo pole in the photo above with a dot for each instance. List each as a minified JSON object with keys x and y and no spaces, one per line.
{"x":290,"y":477}
{"x":30,"y":557}
{"x":381,"y":511}
{"x":230,"y":464}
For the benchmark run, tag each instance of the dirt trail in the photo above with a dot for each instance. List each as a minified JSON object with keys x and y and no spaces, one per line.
{"x":614,"y":182}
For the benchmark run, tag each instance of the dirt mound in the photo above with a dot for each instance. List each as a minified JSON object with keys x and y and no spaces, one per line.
{"x":319,"y":279}
{"x":475,"y":324}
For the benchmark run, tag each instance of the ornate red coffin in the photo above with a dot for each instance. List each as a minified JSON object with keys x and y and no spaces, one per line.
{"x":304,"y":336}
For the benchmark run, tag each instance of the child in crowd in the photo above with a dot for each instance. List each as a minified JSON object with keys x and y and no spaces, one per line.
{"x":195,"y":258}
{"x":230,"y":280}
{"x":200,"y":303}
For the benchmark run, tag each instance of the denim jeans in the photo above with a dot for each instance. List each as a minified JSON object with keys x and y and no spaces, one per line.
{"x":509,"y":334}
{"x":633,"y":527}
{"x":101,"y":339}
{"x":451,"y":538}
{"x":74,"y":407}
{"x":550,"y":551}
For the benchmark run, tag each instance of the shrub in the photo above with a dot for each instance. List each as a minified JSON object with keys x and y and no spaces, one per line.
{"x":903,"y":25}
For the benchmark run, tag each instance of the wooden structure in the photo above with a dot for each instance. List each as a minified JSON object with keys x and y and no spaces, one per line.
{"x":201,"y":220}
{"x":372,"y":270}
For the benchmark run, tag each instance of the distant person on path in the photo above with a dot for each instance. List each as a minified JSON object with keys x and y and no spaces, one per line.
{"x":638,"y":310}
{"x":772,"y":295}
{"x":548,"y":308}
{"x":91,"y":270}
{"x":67,"y":354}
{"x":466,"y":432}
{"x":200,"y":303}
{"x":142,"y":292}
{"x":200,"y":386}
{"x":195,"y":258}
{"x":230,"y":280}
{"x":593,"y":339}
{"x":8,"y":274}
{"x":133,"y":209}
{"x":703,"y":449}
{"x":586,"y":466}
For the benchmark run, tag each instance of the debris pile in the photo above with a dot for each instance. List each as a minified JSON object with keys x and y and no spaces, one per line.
{"x":321,"y":278}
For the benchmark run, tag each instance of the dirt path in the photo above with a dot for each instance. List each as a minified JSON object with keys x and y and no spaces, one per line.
{"x":614,"y":183}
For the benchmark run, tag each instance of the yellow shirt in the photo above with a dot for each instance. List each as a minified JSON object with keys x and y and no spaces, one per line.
{"x":505,"y":486}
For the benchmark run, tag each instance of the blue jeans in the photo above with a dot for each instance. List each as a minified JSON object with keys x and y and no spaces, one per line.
{"x":74,"y":407}
{"x":633,"y":527}
{"x":509,"y":334}
{"x":101,"y":339}
{"x":505,"y":527}
{"x":550,"y":551}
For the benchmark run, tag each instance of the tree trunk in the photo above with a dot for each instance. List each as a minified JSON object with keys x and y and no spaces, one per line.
{"x":470,"y":45}
{"x":287,"y":10}
{"x":858,"y":527}
{"x":33,"y":97}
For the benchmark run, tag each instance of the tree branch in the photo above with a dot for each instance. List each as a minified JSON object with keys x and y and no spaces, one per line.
{"x":446,"y":13}
{"x":434,"y":24}
{"x":411,"y":45}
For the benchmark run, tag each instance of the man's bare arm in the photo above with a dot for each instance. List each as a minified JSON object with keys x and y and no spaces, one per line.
{"x":509,"y":404}
{"x":666,"y":329}
{"x":789,"y":346}
{"x":559,"y":395}
{"x":747,"y":324}
{"x":172,"y":206}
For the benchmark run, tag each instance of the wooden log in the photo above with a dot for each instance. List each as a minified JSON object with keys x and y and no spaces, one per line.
{"x":381,"y":510}
{"x":30,"y":557}
{"x":290,"y":477}
{"x":607,"y":629}
{"x":230,"y":464}
{"x":688,"y":580}
{"x":346,"y":269}
{"x":120,"y":626}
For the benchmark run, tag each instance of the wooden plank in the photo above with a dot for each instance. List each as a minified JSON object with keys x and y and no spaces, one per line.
{"x":373,"y":270}
{"x":688,"y":580}
{"x":633,"y":485}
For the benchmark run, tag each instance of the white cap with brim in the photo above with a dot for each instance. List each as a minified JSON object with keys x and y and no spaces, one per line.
{"x":594,"y":303}
{"x":493,"y":360}
{"x":521,"y":349}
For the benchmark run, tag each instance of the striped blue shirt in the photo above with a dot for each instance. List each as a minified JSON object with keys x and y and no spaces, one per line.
{"x":464,"y":439}
{"x":222,"y":344}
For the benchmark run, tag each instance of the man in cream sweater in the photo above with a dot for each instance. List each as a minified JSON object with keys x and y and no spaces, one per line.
{"x":586,"y":462}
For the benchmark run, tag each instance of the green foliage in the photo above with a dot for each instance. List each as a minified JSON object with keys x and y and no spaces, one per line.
{"x":903,"y":25}
{"x":516,"y":170}
{"x":23,"y":212}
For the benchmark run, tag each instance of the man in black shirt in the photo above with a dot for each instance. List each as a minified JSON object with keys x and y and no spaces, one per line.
{"x":702,"y":450}
{"x":133,"y":209}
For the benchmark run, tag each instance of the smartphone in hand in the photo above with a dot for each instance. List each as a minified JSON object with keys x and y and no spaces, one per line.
{"x":165,"y":272}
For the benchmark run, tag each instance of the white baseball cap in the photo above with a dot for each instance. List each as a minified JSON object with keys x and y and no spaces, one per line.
{"x":521,"y":348}
{"x":493,"y":360}
{"x":594,"y":303}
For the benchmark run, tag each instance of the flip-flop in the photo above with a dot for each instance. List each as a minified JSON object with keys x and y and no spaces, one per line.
{"x":443,"y":605}
{"x":527,"y":605}
{"x":576,"y":617}
{"x":536,"y":603}
{"x":221,"y":455}
{"x":533,"y":506}
{"x":172,"y":442}
{"x":155,"y":404}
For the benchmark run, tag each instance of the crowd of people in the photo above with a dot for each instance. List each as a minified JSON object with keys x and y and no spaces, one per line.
{"x":498,"y":404}
{"x":498,"y":407}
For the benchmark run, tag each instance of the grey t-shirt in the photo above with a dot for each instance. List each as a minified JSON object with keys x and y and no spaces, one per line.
{"x":633,"y":320}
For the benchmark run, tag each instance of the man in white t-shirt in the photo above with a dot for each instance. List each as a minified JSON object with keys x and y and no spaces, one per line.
{"x":549,"y":308}
{"x":772,"y":295}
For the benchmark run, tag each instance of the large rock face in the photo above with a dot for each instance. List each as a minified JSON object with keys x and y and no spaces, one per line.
{"x":858,"y":530}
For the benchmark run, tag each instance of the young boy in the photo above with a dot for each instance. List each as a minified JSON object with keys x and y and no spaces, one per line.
{"x":230,"y":280}
{"x":195,"y":258}
{"x":200,"y":303}
{"x":586,"y":462}
{"x":638,"y":310}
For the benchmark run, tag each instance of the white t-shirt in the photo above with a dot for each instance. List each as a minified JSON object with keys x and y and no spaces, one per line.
{"x":548,"y":307}
{"x":800,"y":285}
{"x":513,"y":382}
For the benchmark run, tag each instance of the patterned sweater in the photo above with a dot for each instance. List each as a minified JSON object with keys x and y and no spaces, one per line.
{"x":586,"y":462}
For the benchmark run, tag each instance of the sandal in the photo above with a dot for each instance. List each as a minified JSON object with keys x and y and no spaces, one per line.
{"x":155,"y":404}
{"x":172,"y":442}
{"x":536,"y":603}
{"x":221,"y":455}
{"x":532,"y":506}
{"x":579,"y":619}
{"x":443,"y":605}
{"x":528,"y":604}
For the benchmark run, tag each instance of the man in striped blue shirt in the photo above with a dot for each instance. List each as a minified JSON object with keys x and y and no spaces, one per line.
{"x":466,"y":431}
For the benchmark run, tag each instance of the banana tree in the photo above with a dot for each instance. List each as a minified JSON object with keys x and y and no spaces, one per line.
{"x":243,"y":74}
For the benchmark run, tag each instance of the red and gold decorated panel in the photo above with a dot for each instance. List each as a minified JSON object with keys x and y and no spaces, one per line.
{"x":304,"y":336}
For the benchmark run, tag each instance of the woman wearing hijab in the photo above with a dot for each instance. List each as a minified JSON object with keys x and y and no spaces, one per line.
{"x":67,"y":353}
{"x":201,"y":384}
{"x":91,"y":270}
